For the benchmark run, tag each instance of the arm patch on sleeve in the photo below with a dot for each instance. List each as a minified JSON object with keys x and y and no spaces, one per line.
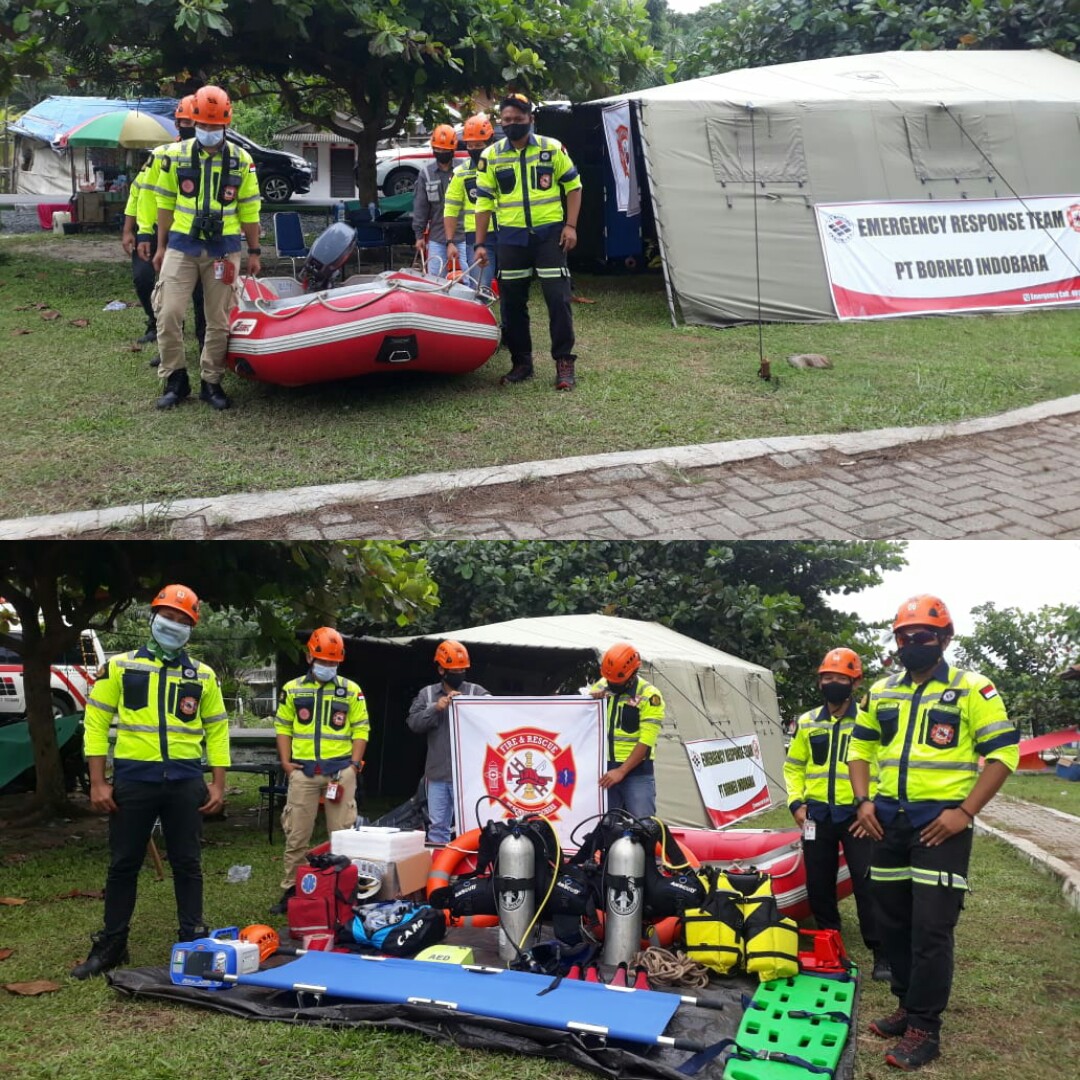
{"x":654,"y":700}
{"x":989,"y":692}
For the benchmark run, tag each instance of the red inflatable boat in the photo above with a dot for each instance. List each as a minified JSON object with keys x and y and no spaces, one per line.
{"x":278,"y":333}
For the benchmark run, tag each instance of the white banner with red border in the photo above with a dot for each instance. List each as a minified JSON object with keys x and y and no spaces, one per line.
{"x":730,"y":776}
{"x":524,"y":755}
{"x":886,"y":259}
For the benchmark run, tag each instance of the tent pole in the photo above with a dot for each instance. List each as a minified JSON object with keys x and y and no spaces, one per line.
{"x":656,"y":211}
{"x":763,"y":364}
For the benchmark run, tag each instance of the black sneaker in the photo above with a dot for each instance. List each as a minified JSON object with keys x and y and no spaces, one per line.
{"x":882,"y":971}
{"x":214,"y":395}
{"x":177,"y":388}
{"x":518,"y":373}
{"x":156,"y":362}
{"x":149,"y":337}
{"x":916,"y":1049}
{"x":108,"y":951}
{"x":889,"y":1027}
{"x":564,"y":374}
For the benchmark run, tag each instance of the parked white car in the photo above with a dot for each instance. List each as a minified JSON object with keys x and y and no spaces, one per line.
{"x":396,"y":169}
{"x":72,"y":677}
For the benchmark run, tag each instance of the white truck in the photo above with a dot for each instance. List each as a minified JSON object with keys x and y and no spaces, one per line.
{"x":72,"y":676}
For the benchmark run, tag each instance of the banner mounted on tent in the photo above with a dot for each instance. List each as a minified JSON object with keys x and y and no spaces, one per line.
{"x":620,"y":148}
{"x":730,"y":776}
{"x":539,"y":755}
{"x":908,"y":258}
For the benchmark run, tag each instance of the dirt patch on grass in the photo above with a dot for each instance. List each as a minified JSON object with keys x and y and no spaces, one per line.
{"x":24,"y":833}
{"x":89,"y":249}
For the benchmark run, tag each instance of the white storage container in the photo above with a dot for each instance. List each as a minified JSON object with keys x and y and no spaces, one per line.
{"x":372,"y":842}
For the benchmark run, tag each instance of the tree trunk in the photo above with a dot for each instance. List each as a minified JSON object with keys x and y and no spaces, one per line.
{"x":366,"y":146}
{"x":50,"y":794}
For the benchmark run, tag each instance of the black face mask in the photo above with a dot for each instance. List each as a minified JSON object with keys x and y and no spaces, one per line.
{"x":444,"y":157}
{"x":919,"y":657}
{"x":835,"y":693}
{"x":516,"y":131}
{"x":454,"y":679}
{"x":475,"y":156}
{"x":618,"y":687}
{"x":185,"y":132}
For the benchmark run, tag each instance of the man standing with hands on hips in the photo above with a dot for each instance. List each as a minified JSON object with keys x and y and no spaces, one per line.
{"x":927,"y":727}
{"x":522,"y":180}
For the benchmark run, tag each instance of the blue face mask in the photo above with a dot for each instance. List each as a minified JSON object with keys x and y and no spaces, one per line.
{"x":210,"y":136}
{"x":324,"y":672}
{"x":170,"y":635}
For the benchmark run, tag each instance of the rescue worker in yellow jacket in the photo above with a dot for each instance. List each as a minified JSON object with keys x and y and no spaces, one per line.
{"x":823,"y":805}
{"x":461,"y":197}
{"x":207,"y":196}
{"x":927,"y":726}
{"x":633,"y":713}
{"x":140,"y":230}
{"x":322,"y":732}
{"x":522,"y":179}
{"x":168,"y":708}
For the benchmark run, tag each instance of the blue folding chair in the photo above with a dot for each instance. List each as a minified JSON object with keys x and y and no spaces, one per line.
{"x":289,"y":237}
{"x":370,"y":236}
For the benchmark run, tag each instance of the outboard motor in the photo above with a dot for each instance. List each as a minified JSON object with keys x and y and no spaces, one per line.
{"x":329,"y":255}
{"x":515,"y":892}
{"x":624,"y":896}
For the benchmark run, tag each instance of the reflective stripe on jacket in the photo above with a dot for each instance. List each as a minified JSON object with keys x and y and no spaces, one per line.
{"x":928,"y":739}
{"x":322,"y":719}
{"x":632,"y":718}
{"x":164,"y":710}
{"x":525,"y":187}
{"x":815,"y":769}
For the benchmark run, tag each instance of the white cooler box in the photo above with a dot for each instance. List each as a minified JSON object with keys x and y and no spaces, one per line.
{"x":375,"y":843}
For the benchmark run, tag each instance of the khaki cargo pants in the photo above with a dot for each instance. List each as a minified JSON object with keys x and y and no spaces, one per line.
{"x":172,"y":298}
{"x":302,"y":808}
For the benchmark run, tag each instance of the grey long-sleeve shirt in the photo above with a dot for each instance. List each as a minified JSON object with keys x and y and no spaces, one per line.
{"x":429,"y":201}
{"x":425,"y":719}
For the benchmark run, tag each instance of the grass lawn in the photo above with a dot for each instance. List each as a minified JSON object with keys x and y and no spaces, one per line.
{"x":80,"y":429}
{"x":1015,"y":1010}
{"x":1049,"y":791}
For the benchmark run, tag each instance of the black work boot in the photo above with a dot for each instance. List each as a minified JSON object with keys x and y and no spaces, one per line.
{"x":889,"y":1027}
{"x":192,"y":933}
{"x":522,"y":370}
{"x":177,"y":387}
{"x":282,"y":906}
{"x":149,"y":336}
{"x":212,"y":393}
{"x":109,"y":951}
{"x":882,"y":971}
{"x":916,"y":1049}
{"x":564,"y":374}
{"x":156,"y":362}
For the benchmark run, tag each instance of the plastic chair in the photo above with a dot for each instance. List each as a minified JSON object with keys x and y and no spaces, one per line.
{"x":269,"y":794}
{"x":289,"y":237}
{"x":372,"y":237}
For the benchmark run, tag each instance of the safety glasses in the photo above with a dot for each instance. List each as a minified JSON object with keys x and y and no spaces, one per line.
{"x":917,"y":637}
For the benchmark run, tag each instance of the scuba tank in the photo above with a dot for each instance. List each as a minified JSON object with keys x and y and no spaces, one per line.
{"x":515,"y":892}
{"x":624,"y":890}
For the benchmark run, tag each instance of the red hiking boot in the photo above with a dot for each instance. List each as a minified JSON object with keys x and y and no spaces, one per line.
{"x":564,"y":375}
{"x":916,"y":1049}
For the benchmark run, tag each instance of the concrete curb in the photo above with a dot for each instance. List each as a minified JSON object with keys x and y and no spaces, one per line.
{"x":232,"y":509}
{"x":1043,"y":860}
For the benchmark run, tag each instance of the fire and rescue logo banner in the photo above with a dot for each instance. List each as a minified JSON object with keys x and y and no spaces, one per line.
{"x":540,"y":755}
{"x":730,"y":776}
{"x":904,"y":258}
{"x":620,"y":148}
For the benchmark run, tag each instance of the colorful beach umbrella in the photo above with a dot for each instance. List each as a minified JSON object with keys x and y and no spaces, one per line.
{"x":123,"y":128}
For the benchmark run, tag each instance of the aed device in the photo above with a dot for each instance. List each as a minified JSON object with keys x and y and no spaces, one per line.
{"x":206,"y":961}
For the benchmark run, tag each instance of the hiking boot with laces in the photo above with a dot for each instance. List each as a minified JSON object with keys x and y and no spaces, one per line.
{"x":521,"y":371}
{"x":889,"y":1027}
{"x":564,"y":374}
{"x":916,"y":1049}
{"x":109,"y":951}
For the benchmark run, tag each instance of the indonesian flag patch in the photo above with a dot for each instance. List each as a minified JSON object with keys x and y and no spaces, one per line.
{"x":989,"y":692}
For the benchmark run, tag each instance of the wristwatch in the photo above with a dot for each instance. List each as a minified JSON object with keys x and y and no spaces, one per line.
{"x":255,"y":251}
{"x":860,"y":799}
{"x":357,"y":765}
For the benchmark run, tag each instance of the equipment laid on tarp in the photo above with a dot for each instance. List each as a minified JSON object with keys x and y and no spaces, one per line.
{"x":207,"y":961}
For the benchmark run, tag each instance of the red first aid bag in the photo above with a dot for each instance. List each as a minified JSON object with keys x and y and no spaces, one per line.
{"x":324,"y":897}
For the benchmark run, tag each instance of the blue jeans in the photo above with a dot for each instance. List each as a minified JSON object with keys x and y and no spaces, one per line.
{"x":440,"y":804}
{"x":436,"y":258}
{"x":487,"y":273}
{"x":636,"y":795}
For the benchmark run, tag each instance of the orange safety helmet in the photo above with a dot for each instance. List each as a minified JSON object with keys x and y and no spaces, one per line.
{"x":842,"y":662}
{"x":444,"y":137}
{"x":452,"y":656}
{"x":620,"y":662}
{"x":266,"y":937}
{"x":211,"y":106}
{"x":179,"y":597}
{"x":326,"y":644}
{"x":185,"y":109}
{"x":923,"y":610}
{"x":478,"y":129}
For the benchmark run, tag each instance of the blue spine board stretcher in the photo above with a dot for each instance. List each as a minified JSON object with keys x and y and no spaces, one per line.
{"x":638,"y":1016}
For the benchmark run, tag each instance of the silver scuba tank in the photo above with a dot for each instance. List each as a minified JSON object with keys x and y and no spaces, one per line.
{"x":515,"y":892}
{"x":624,"y":892}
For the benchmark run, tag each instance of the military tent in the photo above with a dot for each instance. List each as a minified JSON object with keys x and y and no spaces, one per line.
{"x":911,"y":126}
{"x":709,"y":694}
